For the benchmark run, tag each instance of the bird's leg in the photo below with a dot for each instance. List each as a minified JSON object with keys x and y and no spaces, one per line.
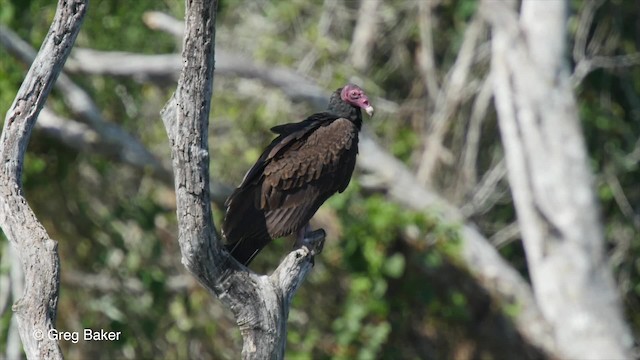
{"x":300,"y":236}
{"x":313,"y":240}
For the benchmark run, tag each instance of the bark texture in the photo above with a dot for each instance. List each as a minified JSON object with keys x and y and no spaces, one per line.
{"x":260,"y":303}
{"x":36,"y":309}
{"x":551,"y":182}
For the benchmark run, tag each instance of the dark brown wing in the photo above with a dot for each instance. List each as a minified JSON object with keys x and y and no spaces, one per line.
{"x":306,"y":164}
{"x":298,"y":180}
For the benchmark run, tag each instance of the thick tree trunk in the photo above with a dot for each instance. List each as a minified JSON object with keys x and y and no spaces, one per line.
{"x":260,"y":303}
{"x":36,"y":309}
{"x":551,"y":182}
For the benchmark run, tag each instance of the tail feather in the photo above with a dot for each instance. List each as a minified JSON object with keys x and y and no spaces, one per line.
{"x":244,"y":227}
{"x":245,"y":250}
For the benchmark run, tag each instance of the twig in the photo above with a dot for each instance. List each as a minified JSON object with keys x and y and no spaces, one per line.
{"x":447,"y":100}
{"x":426,"y":61}
{"x":484,"y":196}
{"x":505,"y":235}
{"x":157,"y":20}
{"x":586,"y":54}
{"x":587,"y":13}
{"x":364,"y":34}
{"x":36,"y":310}
{"x":472,"y":142}
{"x":621,"y":198}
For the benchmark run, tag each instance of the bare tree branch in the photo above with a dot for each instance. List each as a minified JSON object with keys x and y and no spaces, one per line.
{"x":426,"y":59}
{"x":260,"y":303}
{"x":71,"y":133}
{"x":551,"y":183}
{"x":157,"y":20}
{"x":107,"y":284}
{"x":448,"y":99}
{"x":364,"y":34}
{"x":471,"y":148}
{"x":36,"y":310}
{"x":505,"y":235}
{"x":621,"y":198}
{"x":162,"y":68}
{"x":485,"y":194}
{"x":294,"y":85}
{"x":585,"y":21}
{"x":586,"y":54}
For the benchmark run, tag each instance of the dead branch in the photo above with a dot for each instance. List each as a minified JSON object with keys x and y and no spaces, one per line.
{"x":102,"y":282}
{"x":426,"y":59}
{"x":294,"y":85}
{"x":260,"y":303}
{"x":36,"y":310}
{"x":448,"y":99}
{"x":551,"y":182}
{"x":364,"y":34}
{"x":485,"y":195}
{"x":621,"y":198}
{"x":157,"y":20}
{"x":587,"y":54}
{"x":505,"y":235}
{"x":471,"y":148}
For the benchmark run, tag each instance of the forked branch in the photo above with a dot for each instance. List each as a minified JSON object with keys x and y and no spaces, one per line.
{"x":38,"y":253}
{"x":260,"y":303}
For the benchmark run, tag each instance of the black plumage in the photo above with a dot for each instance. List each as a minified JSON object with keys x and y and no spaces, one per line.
{"x":302,"y":167}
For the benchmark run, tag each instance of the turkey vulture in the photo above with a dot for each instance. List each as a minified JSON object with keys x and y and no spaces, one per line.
{"x":302,"y":167}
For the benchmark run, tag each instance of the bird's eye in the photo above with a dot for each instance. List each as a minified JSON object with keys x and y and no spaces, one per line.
{"x":354,"y":93}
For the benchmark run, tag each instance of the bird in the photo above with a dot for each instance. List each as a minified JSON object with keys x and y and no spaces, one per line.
{"x":304,"y":165}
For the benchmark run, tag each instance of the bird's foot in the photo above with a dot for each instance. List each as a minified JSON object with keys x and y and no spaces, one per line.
{"x":312,"y":240}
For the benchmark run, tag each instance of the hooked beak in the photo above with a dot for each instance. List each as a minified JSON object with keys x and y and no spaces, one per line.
{"x":369,"y":110}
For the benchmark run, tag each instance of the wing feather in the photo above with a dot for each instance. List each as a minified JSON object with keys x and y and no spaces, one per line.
{"x":303,"y":179}
{"x":306,"y":164}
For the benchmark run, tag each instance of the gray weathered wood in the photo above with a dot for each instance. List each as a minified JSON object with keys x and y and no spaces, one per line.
{"x":36,"y":309}
{"x":551,"y":182}
{"x":260,"y":303}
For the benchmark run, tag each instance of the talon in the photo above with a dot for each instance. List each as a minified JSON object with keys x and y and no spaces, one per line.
{"x":312,"y":240}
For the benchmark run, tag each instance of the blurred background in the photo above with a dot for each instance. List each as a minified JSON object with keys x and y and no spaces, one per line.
{"x":390,"y":283}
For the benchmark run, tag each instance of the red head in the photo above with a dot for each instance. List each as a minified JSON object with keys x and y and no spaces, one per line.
{"x":354,"y":95}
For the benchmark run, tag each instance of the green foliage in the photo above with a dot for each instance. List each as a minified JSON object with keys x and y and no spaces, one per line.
{"x":373,"y":257}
